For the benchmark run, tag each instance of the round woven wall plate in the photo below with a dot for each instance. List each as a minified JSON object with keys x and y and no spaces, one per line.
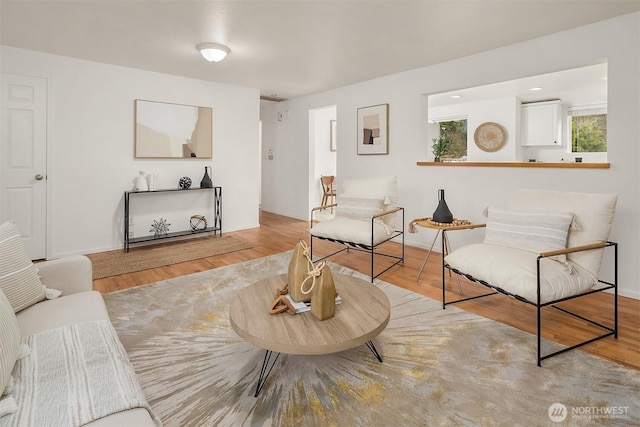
{"x":490,"y":136}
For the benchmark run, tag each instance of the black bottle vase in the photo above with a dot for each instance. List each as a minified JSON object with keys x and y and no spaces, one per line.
{"x":442,"y":213}
{"x":206,"y":179}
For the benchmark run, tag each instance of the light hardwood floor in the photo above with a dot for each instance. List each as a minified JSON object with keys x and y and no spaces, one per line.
{"x":278,"y":234}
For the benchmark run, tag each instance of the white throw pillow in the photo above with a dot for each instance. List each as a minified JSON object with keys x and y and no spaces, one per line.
{"x":9,"y":341}
{"x":355,"y":207}
{"x":19,"y":278}
{"x":593,"y":212}
{"x":530,"y":231}
{"x":385,"y":188}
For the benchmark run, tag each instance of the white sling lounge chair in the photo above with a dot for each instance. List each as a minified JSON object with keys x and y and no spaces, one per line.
{"x":545,"y":249}
{"x":365,"y":219}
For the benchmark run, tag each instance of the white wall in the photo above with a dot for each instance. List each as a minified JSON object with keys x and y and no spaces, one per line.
{"x":285,"y":177}
{"x":323,"y":160}
{"x":90,"y":158}
{"x":470,"y":189}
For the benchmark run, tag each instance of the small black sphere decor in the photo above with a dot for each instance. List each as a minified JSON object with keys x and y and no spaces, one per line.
{"x":185,"y":182}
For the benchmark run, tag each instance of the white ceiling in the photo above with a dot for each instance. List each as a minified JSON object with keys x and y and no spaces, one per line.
{"x":288,"y":48}
{"x":577,"y":86}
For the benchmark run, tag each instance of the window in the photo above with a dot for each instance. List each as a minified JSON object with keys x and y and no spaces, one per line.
{"x":588,"y":131}
{"x":456,"y":132}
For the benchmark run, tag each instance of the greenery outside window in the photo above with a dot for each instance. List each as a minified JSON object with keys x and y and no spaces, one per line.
{"x":588,"y":130}
{"x":456,"y":132}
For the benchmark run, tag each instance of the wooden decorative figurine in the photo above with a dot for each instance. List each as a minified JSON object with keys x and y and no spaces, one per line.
{"x":323,"y":295}
{"x":299,"y":267}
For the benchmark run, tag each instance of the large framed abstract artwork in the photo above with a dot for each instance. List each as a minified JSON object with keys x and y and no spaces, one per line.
{"x":165,"y":130}
{"x":373,"y":129}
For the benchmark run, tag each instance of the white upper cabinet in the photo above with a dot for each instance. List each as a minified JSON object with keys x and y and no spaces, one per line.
{"x":542,"y":123}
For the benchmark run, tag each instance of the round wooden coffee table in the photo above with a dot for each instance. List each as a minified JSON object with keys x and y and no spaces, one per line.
{"x":363,"y":313}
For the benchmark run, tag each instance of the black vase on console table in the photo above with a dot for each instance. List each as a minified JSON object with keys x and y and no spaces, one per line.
{"x":206,"y":179}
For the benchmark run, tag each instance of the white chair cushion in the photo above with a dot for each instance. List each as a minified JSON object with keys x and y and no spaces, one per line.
{"x":385,"y":188}
{"x":529,"y":231}
{"x":9,"y":341}
{"x":352,"y":230}
{"x":593,"y":214}
{"x":356,"y":207}
{"x":19,"y":278}
{"x":514,"y":270}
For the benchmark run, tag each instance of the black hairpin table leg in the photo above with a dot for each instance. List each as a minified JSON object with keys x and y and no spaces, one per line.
{"x":374,"y":351}
{"x":265,"y":370}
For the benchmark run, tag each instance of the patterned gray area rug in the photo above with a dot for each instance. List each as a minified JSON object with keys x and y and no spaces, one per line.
{"x":441,"y":367}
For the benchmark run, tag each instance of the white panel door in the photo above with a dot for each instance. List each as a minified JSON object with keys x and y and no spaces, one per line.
{"x":23,"y":188}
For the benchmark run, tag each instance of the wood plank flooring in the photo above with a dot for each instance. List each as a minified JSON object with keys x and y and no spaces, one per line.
{"x":278,"y":234}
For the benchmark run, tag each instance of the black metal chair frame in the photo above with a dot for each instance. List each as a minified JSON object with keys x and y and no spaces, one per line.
{"x":371,"y":248}
{"x":604,"y":285}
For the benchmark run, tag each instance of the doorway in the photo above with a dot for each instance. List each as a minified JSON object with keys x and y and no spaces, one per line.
{"x":323,"y":146}
{"x":23,"y":149}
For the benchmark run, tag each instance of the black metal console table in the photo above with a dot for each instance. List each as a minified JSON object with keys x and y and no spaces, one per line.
{"x":215,"y":228}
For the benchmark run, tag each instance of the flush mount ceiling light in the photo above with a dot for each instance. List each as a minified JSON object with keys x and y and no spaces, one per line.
{"x":213,"y":52}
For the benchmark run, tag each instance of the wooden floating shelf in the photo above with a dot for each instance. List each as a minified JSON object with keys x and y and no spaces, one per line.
{"x":520,"y":165}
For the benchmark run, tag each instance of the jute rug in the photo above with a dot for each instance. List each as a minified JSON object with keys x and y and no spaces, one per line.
{"x":140,"y":258}
{"x":441,"y":367}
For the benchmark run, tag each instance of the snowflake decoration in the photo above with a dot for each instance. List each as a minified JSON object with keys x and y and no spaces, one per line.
{"x":160,"y":227}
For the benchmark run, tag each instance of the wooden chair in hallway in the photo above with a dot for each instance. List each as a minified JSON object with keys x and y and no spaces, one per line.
{"x":328,"y":192}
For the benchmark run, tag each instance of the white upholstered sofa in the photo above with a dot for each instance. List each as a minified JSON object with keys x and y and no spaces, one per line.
{"x":545,"y":248}
{"x":61,"y":362}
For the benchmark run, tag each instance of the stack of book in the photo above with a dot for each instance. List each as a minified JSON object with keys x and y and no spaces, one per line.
{"x":301,"y":307}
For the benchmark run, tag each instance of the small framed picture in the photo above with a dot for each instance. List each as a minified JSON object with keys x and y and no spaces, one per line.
{"x":332,"y":136}
{"x":373,"y":129}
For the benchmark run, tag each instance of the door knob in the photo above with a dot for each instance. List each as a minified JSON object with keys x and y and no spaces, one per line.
{"x":39,"y":177}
